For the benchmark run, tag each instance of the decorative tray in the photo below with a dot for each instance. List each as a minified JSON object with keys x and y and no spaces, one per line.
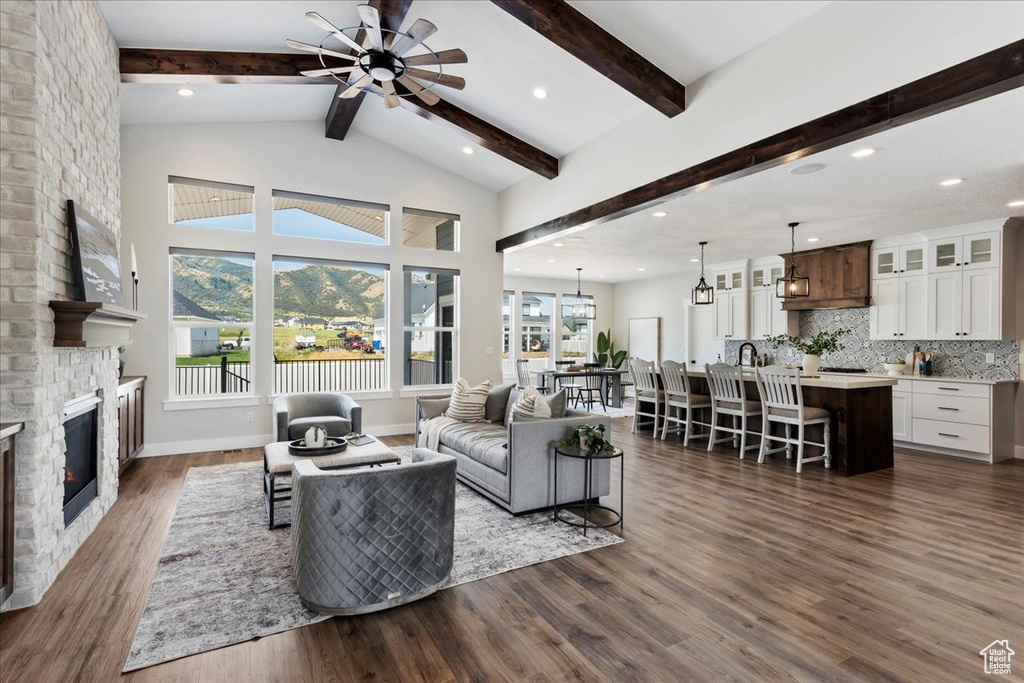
{"x":334,"y":445}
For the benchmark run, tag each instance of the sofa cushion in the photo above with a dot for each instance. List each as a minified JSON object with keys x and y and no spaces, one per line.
{"x":335,"y":425}
{"x":497,"y":402}
{"x":530,"y":404}
{"x":556,"y":402}
{"x":468,"y":402}
{"x":485,"y":443}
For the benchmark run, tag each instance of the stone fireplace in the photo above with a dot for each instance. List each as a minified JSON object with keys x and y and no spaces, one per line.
{"x":61,"y":141}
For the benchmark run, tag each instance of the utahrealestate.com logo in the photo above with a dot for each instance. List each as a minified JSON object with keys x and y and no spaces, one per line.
{"x":997,"y":657}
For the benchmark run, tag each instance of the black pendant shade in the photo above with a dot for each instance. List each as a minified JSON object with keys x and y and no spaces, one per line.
{"x":703,"y":293}
{"x":793,"y":284}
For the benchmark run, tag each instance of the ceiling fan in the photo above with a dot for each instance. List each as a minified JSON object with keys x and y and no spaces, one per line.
{"x":378,"y":54}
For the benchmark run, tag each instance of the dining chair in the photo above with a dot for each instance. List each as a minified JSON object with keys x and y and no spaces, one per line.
{"x":783,"y":402}
{"x":679,"y":399}
{"x":645,"y":385}
{"x":729,"y":397}
{"x":523,"y":376}
{"x":592,"y":383}
{"x":571,"y":386}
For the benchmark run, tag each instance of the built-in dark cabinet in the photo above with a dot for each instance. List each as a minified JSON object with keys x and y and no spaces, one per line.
{"x":131,"y":395}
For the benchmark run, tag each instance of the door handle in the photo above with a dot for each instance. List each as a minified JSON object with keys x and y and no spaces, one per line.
{"x":948,"y":388}
{"x":952,"y":436}
{"x":945,"y":408}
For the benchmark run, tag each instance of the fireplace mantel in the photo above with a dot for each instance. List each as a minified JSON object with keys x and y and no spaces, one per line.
{"x":89,"y":324}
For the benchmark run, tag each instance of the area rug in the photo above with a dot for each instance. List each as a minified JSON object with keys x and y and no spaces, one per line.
{"x":224,"y":578}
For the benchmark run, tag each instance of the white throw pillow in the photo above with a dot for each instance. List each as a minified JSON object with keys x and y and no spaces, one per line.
{"x":531,"y":404}
{"x":468,"y":404}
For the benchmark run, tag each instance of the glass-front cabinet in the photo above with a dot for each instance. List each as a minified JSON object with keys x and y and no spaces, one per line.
{"x":893,"y":261}
{"x":730,"y":280}
{"x":980,"y":250}
{"x":764,"y":276}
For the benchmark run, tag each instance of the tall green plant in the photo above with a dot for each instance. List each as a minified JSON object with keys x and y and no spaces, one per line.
{"x":606,"y":353}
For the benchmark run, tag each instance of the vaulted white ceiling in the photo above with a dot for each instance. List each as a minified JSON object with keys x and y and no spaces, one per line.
{"x":507,"y":62}
{"x":893,"y":192}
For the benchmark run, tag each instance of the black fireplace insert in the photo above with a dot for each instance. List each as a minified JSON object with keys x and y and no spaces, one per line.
{"x":81,"y":432}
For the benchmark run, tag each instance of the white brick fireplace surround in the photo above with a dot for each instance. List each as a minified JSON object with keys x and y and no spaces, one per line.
{"x":59,"y":117}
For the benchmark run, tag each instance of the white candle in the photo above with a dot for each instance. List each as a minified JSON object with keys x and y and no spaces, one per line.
{"x":135,"y":266}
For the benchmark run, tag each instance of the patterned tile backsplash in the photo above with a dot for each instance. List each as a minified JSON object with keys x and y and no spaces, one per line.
{"x":952,"y":358}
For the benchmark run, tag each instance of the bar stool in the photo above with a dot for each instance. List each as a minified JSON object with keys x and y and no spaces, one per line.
{"x":729,"y":397}
{"x":783,"y":401}
{"x":645,"y":385}
{"x":679,"y":396}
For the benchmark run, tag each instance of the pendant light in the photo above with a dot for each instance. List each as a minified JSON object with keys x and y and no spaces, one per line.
{"x":582,"y":308}
{"x":794,"y":284}
{"x":703,"y":293}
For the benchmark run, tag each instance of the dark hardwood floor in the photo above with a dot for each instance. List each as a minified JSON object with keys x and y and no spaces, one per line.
{"x":730,"y":571}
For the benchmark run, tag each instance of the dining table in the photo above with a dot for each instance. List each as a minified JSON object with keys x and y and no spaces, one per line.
{"x":611,"y":385}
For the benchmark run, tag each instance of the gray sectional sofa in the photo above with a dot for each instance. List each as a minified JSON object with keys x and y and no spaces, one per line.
{"x":511,"y":461}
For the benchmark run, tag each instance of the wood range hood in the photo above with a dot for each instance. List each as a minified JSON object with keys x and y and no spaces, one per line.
{"x":840,"y":277}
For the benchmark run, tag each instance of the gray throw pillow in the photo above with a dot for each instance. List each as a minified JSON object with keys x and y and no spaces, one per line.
{"x":513,"y":396}
{"x":556,"y":402}
{"x":497,"y":403}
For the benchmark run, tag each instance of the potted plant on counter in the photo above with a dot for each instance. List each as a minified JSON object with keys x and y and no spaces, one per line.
{"x":824,"y":342}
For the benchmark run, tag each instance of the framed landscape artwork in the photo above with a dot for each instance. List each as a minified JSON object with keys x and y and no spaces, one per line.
{"x":95,"y":267}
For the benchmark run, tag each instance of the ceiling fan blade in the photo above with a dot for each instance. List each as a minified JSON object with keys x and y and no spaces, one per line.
{"x":390,"y":96}
{"x":442,"y":79}
{"x":428,"y":96}
{"x":316,"y":49}
{"x":327,"y":72}
{"x":443,"y":57}
{"x":356,"y":87}
{"x":371,"y":18}
{"x":325,"y":25}
{"x":417,"y":33}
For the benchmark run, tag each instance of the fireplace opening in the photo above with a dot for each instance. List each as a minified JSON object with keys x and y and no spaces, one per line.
{"x":81,"y":450}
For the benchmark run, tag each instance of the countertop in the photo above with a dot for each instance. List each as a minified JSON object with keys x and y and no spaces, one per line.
{"x":10,"y":428}
{"x":932,"y":378}
{"x":826,"y":381}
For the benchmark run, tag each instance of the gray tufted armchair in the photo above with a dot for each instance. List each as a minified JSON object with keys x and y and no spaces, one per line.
{"x":364,"y":540}
{"x":295,"y":413}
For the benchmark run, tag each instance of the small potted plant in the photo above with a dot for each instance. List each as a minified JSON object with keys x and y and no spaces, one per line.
{"x":589,"y":438}
{"x":821,"y":343}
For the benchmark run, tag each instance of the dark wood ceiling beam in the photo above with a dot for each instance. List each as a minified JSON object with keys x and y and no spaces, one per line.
{"x":342,"y":112}
{"x":145,"y":65}
{"x":571,"y":30}
{"x":989,"y":74}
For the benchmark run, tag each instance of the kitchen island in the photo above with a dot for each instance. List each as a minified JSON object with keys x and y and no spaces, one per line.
{"x":861,"y":407}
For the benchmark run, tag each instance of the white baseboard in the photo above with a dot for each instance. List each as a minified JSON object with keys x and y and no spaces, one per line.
{"x":228,"y":443}
{"x":1018,"y":452}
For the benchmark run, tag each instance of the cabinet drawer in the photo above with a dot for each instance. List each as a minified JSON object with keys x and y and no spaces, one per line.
{"x":963,"y":437}
{"x":962,"y":409}
{"x":951,"y":388}
{"x":905,"y":385}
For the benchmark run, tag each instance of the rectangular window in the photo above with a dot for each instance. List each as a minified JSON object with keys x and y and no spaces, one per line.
{"x":577,"y":334}
{"x":330,"y":325}
{"x":211,"y":321}
{"x":430,"y":230}
{"x":507,"y":308}
{"x":536,"y":330}
{"x":211,"y":204}
{"x":328,"y":218}
{"x":430,"y":325}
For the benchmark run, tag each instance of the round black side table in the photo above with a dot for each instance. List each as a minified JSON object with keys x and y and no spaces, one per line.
{"x":588,"y":459}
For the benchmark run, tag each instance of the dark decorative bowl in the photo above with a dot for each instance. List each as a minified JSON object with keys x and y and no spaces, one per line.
{"x":335,"y":444}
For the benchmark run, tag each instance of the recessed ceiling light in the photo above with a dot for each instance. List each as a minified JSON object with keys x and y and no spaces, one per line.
{"x":517,"y":269}
{"x":467,"y":150}
{"x":951,"y":181}
{"x":807,"y":169}
{"x":600,"y":275}
{"x":540,"y":93}
{"x":641,"y":269}
{"x":551,"y":260}
{"x":695,"y":260}
{"x":558,"y":244}
{"x":813,"y":239}
{"x":1014,"y":204}
{"x":214,"y":199}
{"x":659,"y":214}
{"x":186,"y":92}
{"x":861,"y":153}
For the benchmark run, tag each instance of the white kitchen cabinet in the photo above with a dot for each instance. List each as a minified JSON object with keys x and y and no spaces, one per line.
{"x":945,"y":305}
{"x":899,"y":308}
{"x":979,"y":317}
{"x":760,"y":311}
{"x":902,"y":415}
{"x":912,"y":259}
{"x":884,"y":321}
{"x":731,"y":315}
{"x":781,"y":321}
{"x":979,"y":250}
{"x":891,"y":262}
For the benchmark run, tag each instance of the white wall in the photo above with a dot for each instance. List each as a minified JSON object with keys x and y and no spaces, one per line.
{"x":292,"y":156}
{"x":844,"y":53}
{"x":667,"y":297}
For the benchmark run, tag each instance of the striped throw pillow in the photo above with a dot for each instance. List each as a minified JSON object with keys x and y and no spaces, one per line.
{"x":468,"y":403}
{"x":531,"y":404}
